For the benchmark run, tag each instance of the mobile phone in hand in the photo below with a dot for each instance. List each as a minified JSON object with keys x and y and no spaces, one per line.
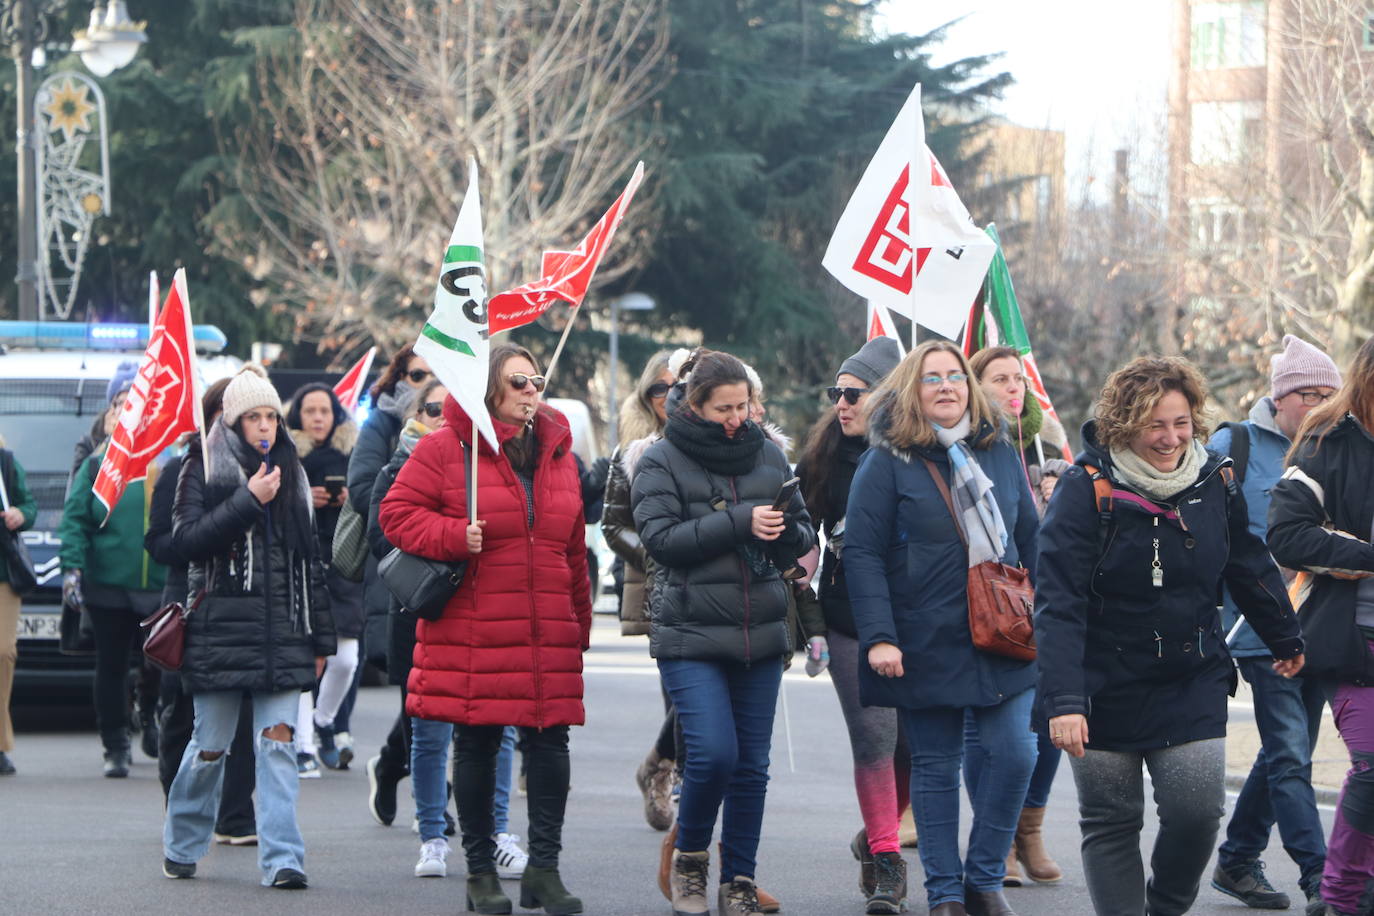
{"x":334,"y":485}
{"x":784,"y":498}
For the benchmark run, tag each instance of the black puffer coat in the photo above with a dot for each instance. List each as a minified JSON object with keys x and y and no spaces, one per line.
{"x":157,"y":540}
{"x":265,"y":617}
{"x":376,"y":442}
{"x":1149,"y":666}
{"x":331,"y":459}
{"x":833,"y":588}
{"x":1326,"y":490}
{"x":706,"y":602}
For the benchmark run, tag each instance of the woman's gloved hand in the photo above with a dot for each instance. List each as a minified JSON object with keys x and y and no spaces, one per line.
{"x":71,"y":589}
{"x":817,"y":655}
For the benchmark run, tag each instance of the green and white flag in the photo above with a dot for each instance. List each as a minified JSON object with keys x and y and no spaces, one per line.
{"x":455,"y":338}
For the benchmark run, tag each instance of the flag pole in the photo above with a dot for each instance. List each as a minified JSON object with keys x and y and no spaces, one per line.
{"x":472,"y":480}
{"x":558,"y":350}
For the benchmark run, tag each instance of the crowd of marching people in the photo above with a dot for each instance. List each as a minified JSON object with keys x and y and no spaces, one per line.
{"x":982,"y":604}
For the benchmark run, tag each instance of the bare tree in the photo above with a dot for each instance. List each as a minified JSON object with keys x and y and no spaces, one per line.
{"x":353,"y":170}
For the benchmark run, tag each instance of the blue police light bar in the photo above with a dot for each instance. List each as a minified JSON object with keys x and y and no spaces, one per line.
{"x":71,"y":335}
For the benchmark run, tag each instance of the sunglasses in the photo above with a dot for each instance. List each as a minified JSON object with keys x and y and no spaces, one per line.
{"x":851,"y":395}
{"x":418,"y":375}
{"x":518,"y":381}
{"x":659,"y":390}
{"x":434,"y":409}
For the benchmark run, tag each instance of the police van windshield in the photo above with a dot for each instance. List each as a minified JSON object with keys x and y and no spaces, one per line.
{"x":43,"y":419}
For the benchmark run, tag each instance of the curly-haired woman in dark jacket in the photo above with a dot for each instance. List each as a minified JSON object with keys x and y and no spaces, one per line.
{"x":702,"y":499}
{"x":244,"y":520}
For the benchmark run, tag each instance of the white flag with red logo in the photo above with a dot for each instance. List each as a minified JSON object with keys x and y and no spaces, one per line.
{"x":349,"y":390}
{"x":565,"y":275}
{"x":162,"y":404}
{"x":880,"y":325}
{"x":871,"y":250}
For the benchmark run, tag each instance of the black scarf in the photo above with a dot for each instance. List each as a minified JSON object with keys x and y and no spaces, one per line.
{"x":705,"y":443}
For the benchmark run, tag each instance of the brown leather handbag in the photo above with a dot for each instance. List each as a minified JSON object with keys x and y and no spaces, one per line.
{"x":1001,"y":600}
{"x":165,"y":642}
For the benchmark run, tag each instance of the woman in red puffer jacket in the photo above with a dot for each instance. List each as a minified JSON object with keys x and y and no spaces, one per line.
{"x":508,"y":648}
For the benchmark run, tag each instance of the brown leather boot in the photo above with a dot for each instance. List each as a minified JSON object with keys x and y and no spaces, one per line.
{"x":1030,"y":848}
{"x":1013,"y":877}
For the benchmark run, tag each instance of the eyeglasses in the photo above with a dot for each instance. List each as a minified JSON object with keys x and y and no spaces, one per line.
{"x":954,"y":378}
{"x":434,"y":409}
{"x":659,"y":390}
{"x":418,"y":375}
{"x":1313,"y":398}
{"x":518,"y":381}
{"x":851,"y":395}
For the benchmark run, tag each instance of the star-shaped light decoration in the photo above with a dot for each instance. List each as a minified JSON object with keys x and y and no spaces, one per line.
{"x":70,"y":109}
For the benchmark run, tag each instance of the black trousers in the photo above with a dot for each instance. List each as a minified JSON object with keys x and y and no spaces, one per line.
{"x":395,"y":753}
{"x":546,"y":786}
{"x":118,"y":647}
{"x":175,"y":722}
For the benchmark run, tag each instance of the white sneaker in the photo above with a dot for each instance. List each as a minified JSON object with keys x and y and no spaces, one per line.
{"x":510,"y":858}
{"x":433,"y":859}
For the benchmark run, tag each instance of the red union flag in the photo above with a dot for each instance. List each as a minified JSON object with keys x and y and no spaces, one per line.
{"x":565,"y":275}
{"x":349,"y":390}
{"x":161,"y":405}
{"x":877,"y":246}
{"x":880,"y":325}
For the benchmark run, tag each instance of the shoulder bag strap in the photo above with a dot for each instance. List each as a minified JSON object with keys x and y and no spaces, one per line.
{"x":949,"y":500}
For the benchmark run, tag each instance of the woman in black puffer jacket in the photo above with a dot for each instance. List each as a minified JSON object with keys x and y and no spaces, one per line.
{"x":263,"y":624}
{"x":702,"y":499}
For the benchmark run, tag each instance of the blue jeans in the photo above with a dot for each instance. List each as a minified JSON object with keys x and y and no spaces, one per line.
{"x":195,"y":794}
{"x":726,"y":712}
{"x":429,"y":743}
{"x":1047,"y":758}
{"x":500,"y":803}
{"x":1279,"y":787}
{"x":936,"y":737}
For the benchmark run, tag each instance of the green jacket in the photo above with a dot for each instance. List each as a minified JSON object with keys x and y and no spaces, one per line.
{"x":16,"y":485}
{"x":112,"y":555}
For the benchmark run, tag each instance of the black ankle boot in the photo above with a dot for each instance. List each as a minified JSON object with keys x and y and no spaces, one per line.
{"x":542,"y":887}
{"x":986,"y":903}
{"x":485,"y":894}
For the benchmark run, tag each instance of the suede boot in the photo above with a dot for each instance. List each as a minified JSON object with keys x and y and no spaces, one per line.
{"x":691,"y":872}
{"x":859,"y":847}
{"x":655,"y":780}
{"x":1030,"y":848}
{"x":541,"y":886}
{"x":1013,"y":877}
{"x":738,"y":898}
{"x":485,"y":894}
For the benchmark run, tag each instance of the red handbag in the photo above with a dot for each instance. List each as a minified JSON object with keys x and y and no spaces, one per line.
{"x":1001,"y":600}
{"x":165,"y":642}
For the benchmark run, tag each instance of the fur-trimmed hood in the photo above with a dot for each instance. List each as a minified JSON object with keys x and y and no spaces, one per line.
{"x":343,"y":438}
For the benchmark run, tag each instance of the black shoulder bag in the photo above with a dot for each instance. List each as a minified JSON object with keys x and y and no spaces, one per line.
{"x":423,"y":586}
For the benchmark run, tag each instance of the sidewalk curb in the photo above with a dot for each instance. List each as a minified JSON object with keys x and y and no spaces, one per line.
{"x":1326,"y":795}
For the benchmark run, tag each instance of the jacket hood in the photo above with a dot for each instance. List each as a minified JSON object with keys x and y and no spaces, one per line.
{"x":778,"y":437}
{"x":342,"y":439}
{"x":1052,"y":432}
{"x":631,"y":453}
{"x":1262,"y":414}
{"x":1096,"y":454}
{"x":880,"y":428}
{"x":550,"y":426}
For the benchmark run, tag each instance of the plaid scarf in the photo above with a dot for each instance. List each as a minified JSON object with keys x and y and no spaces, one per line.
{"x":974,"y":502}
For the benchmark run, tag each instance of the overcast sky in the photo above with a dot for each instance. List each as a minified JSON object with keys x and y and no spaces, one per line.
{"x":1094,"y":68}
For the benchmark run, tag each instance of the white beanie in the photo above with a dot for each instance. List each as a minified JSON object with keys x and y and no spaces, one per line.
{"x":249,"y":389}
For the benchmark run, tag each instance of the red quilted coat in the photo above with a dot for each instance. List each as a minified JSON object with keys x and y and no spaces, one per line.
{"x":508,"y":648}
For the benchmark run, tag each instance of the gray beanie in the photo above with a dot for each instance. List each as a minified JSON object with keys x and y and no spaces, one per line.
{"x":873,"y":362}
{"x":1300,"y":365}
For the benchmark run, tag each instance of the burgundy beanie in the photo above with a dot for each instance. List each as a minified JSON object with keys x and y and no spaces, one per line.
{"x":1300,"y":365}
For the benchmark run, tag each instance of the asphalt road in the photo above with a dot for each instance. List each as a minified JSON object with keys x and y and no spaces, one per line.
{"x":74,"y":842}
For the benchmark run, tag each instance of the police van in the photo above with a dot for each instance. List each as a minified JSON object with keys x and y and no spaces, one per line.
{"x":53,"y":377}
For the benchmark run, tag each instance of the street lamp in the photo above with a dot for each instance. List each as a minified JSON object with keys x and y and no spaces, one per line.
{"x":633,"y":302}
{"x":110,"y":43}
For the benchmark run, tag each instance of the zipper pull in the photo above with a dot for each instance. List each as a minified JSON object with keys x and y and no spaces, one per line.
{"x":1159,"y":645}
{"x":1157,"y":570}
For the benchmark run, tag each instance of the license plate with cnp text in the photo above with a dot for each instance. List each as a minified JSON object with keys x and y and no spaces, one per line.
{"x":39,"y":626}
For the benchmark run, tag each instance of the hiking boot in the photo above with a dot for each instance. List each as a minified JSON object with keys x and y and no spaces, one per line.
{"x":1246,"y":882}
{"x":738,"y":898}
{"x":1029,"y":847}
{"x":889,"y":892}
{"x":655,"y":780}
{"x":1312,"y":890}
{"x":691,"y":871}
{"x":381,"y":792}
{"x":542,"y":887}
{"x":864,"y":856}
{"x":117,"y":764}
{"x":433,"y":859}
{"x":511,"y":860}
{"x":172,"y":869}
{"x":484,"y":894}
{"x":289,"y":879}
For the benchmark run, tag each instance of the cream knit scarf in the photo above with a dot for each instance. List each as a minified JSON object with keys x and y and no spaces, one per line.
{"x":1160,"y":486}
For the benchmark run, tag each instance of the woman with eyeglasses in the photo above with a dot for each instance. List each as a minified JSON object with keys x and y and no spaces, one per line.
{"x":907,"y":558}
{"x":392,"y":396}
{"x":1134,"y":668}
{"x":827,"y":465}
{"x":641,"y":424}
{"x":703,"y":499}
{"x":508,"y":648}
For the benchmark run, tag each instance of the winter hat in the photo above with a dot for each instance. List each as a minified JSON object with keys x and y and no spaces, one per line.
{"x":873,"y":362}
{"x":123,"y":380}
{"x":1301,"y":365}
{"x":249,"y":389}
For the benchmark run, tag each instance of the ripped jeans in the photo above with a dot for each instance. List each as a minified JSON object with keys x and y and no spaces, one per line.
{"x":193,"y":800}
